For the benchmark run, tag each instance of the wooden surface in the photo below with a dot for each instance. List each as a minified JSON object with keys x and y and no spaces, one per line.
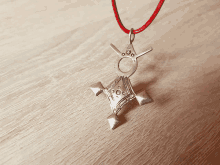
{"x":52,"y":51}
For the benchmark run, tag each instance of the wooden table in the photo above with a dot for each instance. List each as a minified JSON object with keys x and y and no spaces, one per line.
{"x":52,"y":51}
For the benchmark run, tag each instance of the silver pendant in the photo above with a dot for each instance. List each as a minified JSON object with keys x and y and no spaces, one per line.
{"x":120,"y":91}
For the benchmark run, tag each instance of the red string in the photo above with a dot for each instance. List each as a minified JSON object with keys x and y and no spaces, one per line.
{"x":141,"y":28}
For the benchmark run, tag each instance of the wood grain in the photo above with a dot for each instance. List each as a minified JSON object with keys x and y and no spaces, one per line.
{"x":52,"y":51}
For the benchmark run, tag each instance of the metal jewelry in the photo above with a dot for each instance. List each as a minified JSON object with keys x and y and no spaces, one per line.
{"x":120,"y":91}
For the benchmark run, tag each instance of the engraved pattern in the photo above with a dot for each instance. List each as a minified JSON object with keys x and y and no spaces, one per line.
{"x":119,"y":92}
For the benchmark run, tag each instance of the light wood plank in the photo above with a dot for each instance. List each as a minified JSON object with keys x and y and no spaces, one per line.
{"x":52,"y":51}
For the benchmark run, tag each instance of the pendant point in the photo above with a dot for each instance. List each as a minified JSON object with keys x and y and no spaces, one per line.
{"x":143,"y":98}
{"x":97,"y":88}
{"x":113,"y":121}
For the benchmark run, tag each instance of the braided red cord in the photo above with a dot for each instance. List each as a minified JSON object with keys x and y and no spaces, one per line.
{"x":141,"y":28}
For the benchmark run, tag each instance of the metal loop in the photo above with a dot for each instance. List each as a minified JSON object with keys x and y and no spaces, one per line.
{"x":131,"y":71}
{"x":131,"y":36}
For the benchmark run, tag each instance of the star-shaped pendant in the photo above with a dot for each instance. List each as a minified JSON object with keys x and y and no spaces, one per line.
{"x":120,"y":91}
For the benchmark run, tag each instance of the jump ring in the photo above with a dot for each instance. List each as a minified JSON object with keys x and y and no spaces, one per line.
{"x":131,"y":36}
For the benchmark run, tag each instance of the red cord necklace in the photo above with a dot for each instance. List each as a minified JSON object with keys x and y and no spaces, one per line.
{"x":120,"y":91}
{"x":141,"y":28}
